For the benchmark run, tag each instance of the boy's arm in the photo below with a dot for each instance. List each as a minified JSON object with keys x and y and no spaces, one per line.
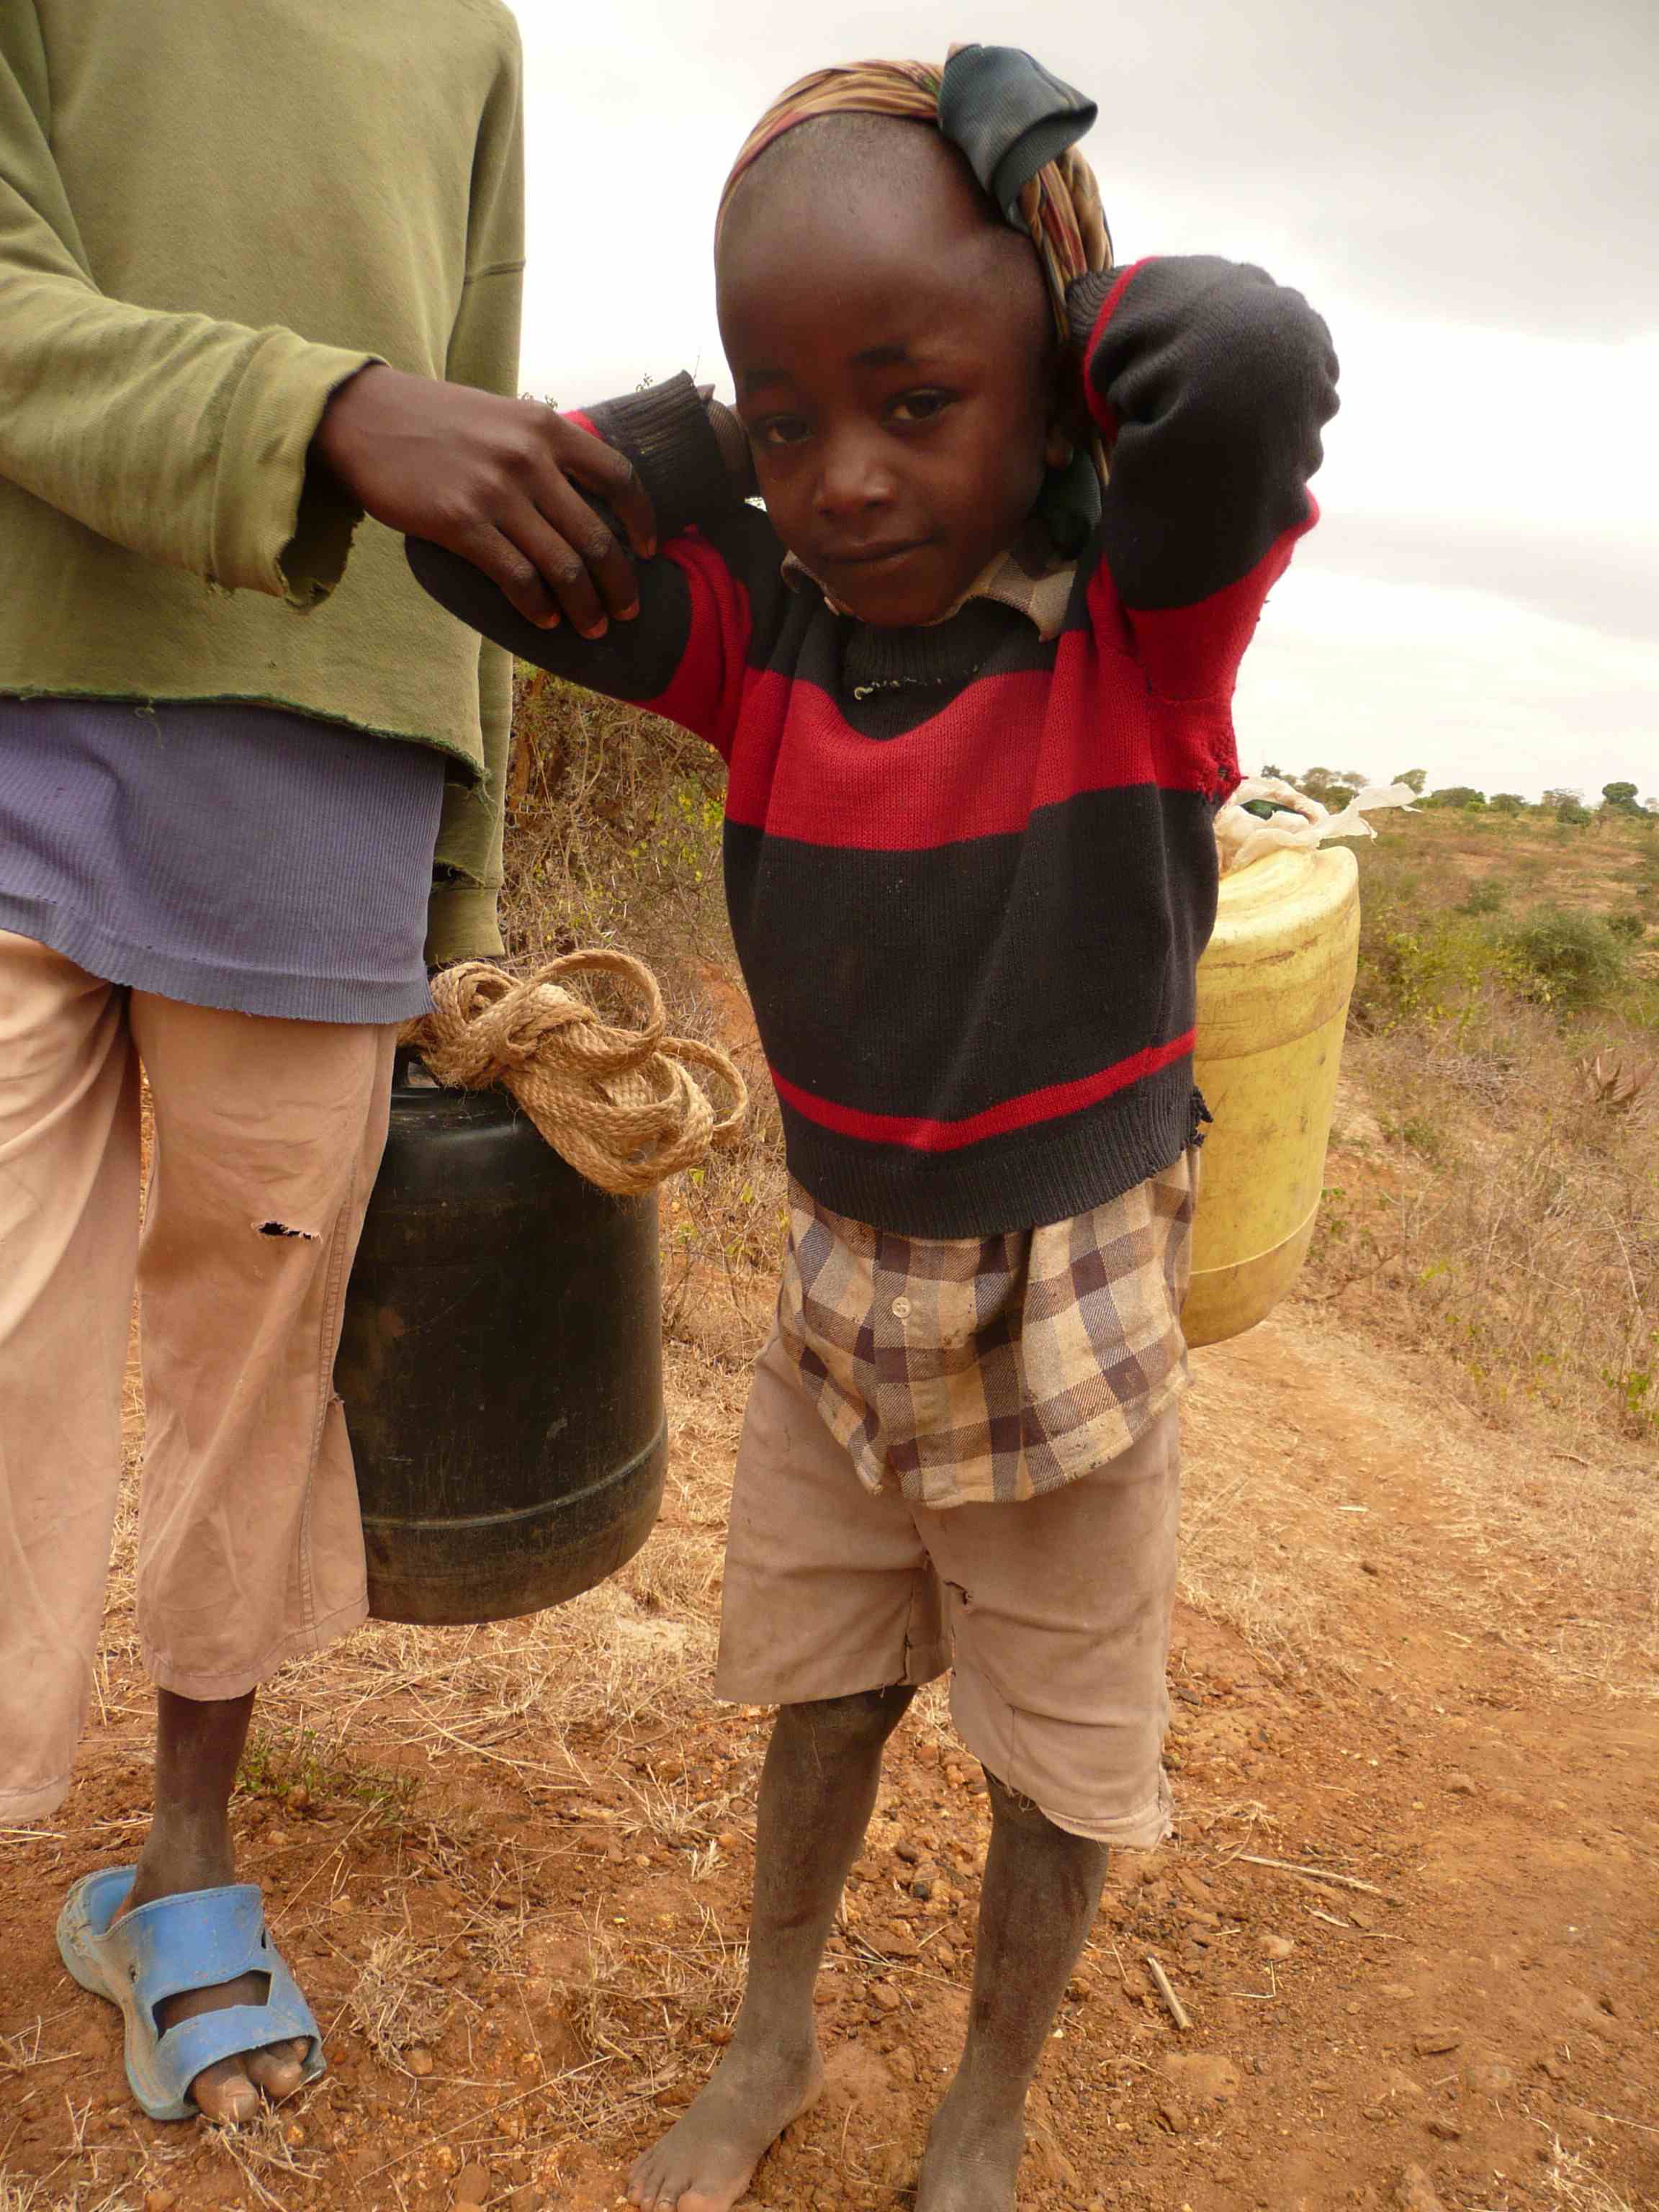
{"x":683,"y":653}
{"x":1209,"y":384}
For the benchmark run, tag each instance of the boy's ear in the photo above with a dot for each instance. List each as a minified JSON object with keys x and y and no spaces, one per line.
{"x":1068,"y":419}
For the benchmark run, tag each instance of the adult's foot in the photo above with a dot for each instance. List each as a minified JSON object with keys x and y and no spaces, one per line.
{"x":707,"y":2158}
{"x":972,"y":2163}
{"x":231,"y":2090}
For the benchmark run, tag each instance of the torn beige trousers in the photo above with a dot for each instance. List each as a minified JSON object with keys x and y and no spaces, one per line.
{"x":267,"y":1138}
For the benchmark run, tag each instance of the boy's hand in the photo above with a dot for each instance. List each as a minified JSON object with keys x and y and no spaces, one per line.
{"x":493,"y":480}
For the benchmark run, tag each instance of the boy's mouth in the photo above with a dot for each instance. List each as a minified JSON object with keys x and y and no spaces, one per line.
{"x":865,"y":557}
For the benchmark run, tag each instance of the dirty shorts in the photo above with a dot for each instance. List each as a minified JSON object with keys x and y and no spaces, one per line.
{"x":1051,"y":1613}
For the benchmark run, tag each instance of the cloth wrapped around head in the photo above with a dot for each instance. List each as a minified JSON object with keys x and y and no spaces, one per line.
{"x":1016,"y":126}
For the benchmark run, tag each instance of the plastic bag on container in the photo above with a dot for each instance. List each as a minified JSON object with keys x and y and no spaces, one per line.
{"x":1243,"y":837}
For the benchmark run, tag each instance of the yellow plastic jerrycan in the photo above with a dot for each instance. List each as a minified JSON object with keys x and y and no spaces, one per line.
{"x":1274,"y":987}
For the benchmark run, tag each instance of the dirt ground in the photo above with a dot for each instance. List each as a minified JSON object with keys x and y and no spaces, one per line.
{"x":510,"y":1867}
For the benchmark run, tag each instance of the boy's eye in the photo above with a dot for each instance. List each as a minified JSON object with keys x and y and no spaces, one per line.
{"x":781,"y":430}
{"x":918,"y":406}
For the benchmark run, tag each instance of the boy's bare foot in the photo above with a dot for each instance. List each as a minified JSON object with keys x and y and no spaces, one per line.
{"x":708,"y":2158}
{"x":229,"y":2091}
{"x":972,"y":2163}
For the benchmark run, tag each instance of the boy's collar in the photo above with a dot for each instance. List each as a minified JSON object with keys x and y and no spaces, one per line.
{"x":1031,"y":577}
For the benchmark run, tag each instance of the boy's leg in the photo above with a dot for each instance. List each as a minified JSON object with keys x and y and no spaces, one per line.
{"x":268,"y":1137}
{"x":1040,"y":1895}
{"x":818,"y":1790}
{"x":68,"y":1241}
{"x":1059,"y":1608}
{"x":827,"y":1592}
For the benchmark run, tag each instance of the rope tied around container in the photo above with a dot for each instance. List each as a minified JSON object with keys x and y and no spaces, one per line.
{"x":619,"y":1104}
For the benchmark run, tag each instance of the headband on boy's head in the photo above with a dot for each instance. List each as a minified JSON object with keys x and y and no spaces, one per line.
{"x":1014,"y":125}
{"x":1017,"y":127}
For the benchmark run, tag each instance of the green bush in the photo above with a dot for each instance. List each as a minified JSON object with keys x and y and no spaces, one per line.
{"x":1487,"y":897}
{"x":1570,"y":960}
{"x":1628,"y":925}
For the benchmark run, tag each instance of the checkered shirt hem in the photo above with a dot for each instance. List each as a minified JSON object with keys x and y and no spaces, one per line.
{"x":974,"y":1370}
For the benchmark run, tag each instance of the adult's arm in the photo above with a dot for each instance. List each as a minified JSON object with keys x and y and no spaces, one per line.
{"x":180,"y":436}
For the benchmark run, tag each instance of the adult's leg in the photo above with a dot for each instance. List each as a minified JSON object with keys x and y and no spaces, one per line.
{"x":269,"y":1134}
{"x":69,"y":1238}
{"x":817,"y":1791}
{"x":1040,"y":1895}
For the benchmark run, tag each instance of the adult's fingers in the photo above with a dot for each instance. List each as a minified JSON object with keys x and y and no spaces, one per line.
{"x":590,"y":461}
{"x":607,"y":568}
{"x":511,"y":568}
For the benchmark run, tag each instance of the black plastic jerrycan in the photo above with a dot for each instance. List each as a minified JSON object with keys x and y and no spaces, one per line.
{"x":501,"y":1365}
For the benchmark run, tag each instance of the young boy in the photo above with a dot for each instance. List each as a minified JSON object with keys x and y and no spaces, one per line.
{"x":977,"y":719}
{"x":260,"y":268}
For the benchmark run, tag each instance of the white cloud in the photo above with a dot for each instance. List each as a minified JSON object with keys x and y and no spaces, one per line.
{"x":1349,"y":672}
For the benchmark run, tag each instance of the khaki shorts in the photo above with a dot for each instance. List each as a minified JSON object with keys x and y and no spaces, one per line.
{"x":1052,"y":1613}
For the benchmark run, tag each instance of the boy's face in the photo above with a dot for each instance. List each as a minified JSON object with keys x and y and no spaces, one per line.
{"x":892,"y":350}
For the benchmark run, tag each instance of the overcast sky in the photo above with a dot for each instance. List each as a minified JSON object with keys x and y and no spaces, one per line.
{"x":1466,"y":191}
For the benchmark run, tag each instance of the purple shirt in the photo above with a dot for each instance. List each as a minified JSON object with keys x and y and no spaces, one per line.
{"x":223,"y":854}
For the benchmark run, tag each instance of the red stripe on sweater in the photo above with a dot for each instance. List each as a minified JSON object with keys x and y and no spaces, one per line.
{"x":1048,"y":1104}
{"x":1190,"y":655}
{"x":706,"y":693}
{"x":1105,"y":416}
{"x":1006,"y":745}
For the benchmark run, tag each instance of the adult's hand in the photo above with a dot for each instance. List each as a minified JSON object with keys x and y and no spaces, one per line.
{"x":496,"y":481}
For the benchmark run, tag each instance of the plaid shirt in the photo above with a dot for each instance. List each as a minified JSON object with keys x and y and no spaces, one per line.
{"x":972,"y":1371}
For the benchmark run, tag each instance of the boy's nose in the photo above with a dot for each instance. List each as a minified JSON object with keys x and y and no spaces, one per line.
{"x":854,"y":477}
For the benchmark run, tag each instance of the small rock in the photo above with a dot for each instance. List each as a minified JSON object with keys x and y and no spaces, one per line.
{"x":886,"y":1996}
{"x":159,"y":2200}
{"x":728,"y":1840}
{"x":1172,"y":2116}
{"x":903,"y":2064}
{"x":1460,"y":1785}
{"x":921,"y":1888}
{"x":1375,"y":2111}
{"x":419,"y":2061}
{"x":1447,"y":2130}
{"x":472,"y":2184}
{"x":1491,"y":2079}
{"x":907,"y":1852}
{"x":825,"y":1994}
{"x":1274,"y":1946}
{"x":1081,"y":1985}
{"x":720,"y":2034}
{"x":1413,"y":2192}
{"x":525,"y":2198}
{"x":1433,"y":2040}
{"x":1203,"y":2074}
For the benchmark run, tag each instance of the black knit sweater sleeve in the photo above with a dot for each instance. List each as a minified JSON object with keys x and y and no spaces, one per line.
{"x":1210,"y":385}
{"x":695,"y":475}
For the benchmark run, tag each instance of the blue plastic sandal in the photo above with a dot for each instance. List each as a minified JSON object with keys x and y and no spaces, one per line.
{"x":190,"y":1941}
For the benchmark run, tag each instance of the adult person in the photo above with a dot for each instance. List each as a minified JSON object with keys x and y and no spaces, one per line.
{"x":260,"y":271}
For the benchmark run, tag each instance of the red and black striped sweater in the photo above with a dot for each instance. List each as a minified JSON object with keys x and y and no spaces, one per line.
{"x":971,"y":873}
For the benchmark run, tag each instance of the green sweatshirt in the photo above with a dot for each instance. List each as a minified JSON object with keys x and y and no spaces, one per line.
{"x":212,"y":212}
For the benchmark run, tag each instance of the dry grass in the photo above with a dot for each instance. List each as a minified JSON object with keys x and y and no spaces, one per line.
{"x":1509,"y":1223}
{"x":1575,"y":2186}
{"x":71,"y":2197}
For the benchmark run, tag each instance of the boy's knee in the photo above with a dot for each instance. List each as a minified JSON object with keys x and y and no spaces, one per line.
{"x":1010,"y":1808}
{"x":853,"y":1722}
